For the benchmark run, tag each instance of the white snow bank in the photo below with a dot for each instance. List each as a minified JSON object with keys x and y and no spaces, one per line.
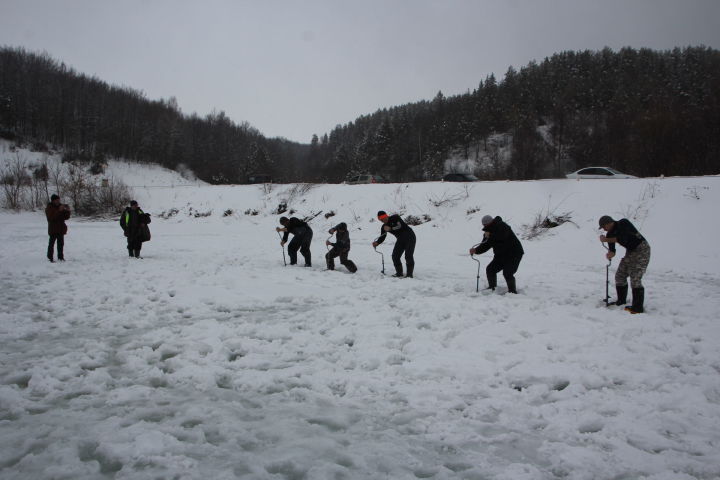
{"x":210,"y":359}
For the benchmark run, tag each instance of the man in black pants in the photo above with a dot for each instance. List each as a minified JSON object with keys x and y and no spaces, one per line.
{"x":302,"y":236}
{"x":341,"y":248}
{"x":134,"y":221}
{"x":506,"y":247}
{"x":405,"y":242}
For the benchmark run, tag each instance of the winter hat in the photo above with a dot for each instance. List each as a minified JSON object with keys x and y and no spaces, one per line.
{"x":487,"y":220}
{"x":604,"y":220}
{"x":283,"y":220}
{"x":54,"y":197}
{"x":133,"y":203}
{"x":382,"y":215}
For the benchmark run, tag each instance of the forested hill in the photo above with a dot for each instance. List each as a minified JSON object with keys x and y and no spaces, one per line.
{"x":45,"y":104}
{"x":642,"y":111}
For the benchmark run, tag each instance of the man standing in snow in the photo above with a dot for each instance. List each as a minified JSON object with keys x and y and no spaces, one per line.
{"x":633,"y":264}
{"x":302,"y":236}
{"x":341,"y":248}
{"x":506,"y":247}
{"x":134,"y":224}
{"x":56,"y":214}
{"x":405,"y":242}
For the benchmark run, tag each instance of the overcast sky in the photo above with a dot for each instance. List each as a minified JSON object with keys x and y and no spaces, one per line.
{"x":295,"y":68}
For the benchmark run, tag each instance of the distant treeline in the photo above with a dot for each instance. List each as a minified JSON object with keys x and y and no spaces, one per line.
{"x":48,"y":105}
{"x":642,"y":111}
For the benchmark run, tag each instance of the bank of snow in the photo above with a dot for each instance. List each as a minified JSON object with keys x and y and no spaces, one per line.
{"x":209,"y":358}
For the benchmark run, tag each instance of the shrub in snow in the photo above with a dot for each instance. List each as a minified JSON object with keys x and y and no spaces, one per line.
{"x":169,"y":213}
{"x":543,"y":222}
{"x":472,"y":210}
{"x":695,"y":192}
{"x":413,"y":220}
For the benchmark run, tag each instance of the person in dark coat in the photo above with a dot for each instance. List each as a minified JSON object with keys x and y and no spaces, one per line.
{"x":134,"y":224}
{"x":341,"y":248}
{"x":404,"y":243}
{"x":56,"y":214}
{"x":506,"y":247}
{"x":302,"y":236}
{"x":633,"y":264}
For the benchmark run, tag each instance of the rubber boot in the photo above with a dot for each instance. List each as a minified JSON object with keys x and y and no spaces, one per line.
{"x":637,"y":301}
{"x":130,"y":252}
{"x":137,"y":253}
{"x":621,"y":295}
{"x":330,"y":262}
{"x":511,"y":285}
{"x":410,"y":270}
{"x":350,"y":265}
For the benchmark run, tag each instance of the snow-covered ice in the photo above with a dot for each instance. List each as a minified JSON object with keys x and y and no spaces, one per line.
{"x":210,"y":359}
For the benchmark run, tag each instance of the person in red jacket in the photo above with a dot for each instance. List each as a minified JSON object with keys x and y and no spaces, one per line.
{"x":56,"y":214}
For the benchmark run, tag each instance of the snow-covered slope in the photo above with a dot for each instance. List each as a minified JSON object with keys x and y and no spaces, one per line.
{"x":209,"y":358}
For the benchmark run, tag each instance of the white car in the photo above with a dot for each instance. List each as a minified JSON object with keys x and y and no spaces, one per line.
{"x":598,"y":172}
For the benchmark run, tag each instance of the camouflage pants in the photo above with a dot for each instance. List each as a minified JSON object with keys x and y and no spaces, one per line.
{"x":633,"y":265}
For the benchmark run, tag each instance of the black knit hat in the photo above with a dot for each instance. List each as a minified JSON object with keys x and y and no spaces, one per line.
{"x":283,"y":220}
{"x":54,"y":197}
{"x":604,"y":220}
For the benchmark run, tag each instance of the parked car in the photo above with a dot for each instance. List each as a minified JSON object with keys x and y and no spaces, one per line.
{"x":598,"y":172}
{"x":460,"y":177}
{"x":358,"y":179}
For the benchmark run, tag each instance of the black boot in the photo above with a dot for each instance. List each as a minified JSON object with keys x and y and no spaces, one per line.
{"x":637,"y":301}
{"x":410,"y":270}
{"x":621,"y":295}
{"x":137,"y":253}
{"x":512,"y":288}
{"x":130,"y":252}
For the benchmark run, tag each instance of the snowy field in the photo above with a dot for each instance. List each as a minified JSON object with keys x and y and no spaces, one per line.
{"x":209,"y":359}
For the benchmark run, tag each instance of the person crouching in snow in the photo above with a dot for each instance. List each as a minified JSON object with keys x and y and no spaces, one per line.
{"x":340,"y":248}
{"x":302,"y":236}
{"x":405,"y":242}
{"x":506,"y":247}
{"x":633,"y":264}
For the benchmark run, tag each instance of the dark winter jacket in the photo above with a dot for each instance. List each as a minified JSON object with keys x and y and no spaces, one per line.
{"x":342,"y":237}
{"x":296,"y":227}
{"x":398,"y":227}
{"x":132,"y":222}
{"x":502,"y":240}
{"x":56,"y":219}
{"x":625,"y":233}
